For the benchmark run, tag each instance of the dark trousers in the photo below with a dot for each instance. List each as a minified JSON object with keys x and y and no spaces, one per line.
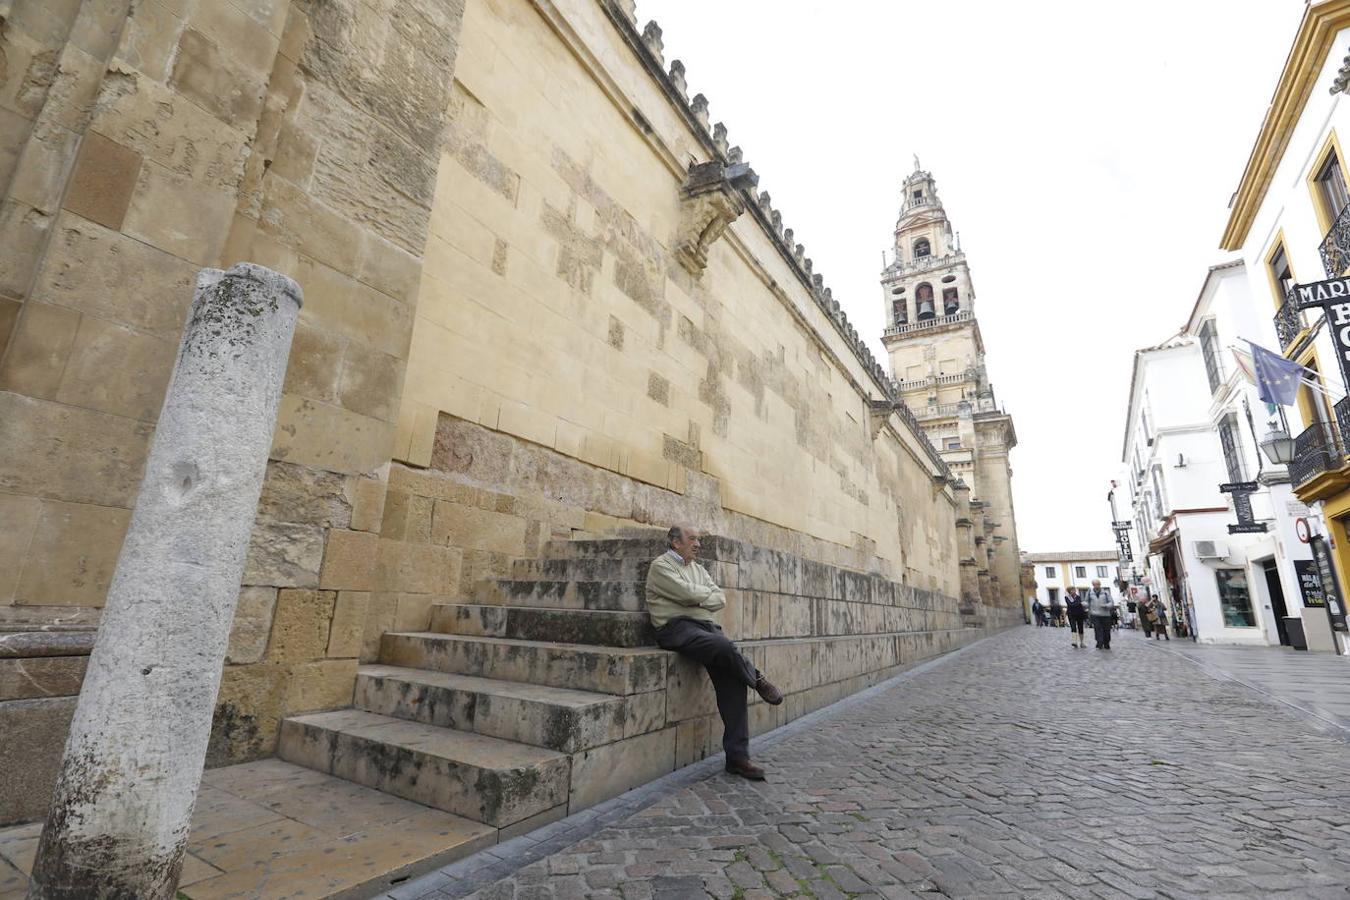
{"x":1101,"y":628}
{"x":731,"y":674}
{"x":1076,"y":625}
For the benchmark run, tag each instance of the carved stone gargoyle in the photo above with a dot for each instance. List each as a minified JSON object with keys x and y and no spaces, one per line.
{"x":709,"y":202}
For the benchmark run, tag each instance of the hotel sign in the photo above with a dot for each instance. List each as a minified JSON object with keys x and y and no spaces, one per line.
{"x":1333,"y":297}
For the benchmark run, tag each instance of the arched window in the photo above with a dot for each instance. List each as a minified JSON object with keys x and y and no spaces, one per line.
{"x":922,"y":248}
{"x":951,"y":301}
{"x":923,"y":301}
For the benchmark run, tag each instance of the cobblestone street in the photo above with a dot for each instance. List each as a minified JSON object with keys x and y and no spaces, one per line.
{"x":1020,"y":767}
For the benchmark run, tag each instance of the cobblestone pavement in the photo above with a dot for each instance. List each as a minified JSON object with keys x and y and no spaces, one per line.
{"x":1021,"y":767}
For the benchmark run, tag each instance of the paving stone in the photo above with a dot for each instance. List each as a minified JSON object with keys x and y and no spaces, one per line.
{"x":957,"y":781}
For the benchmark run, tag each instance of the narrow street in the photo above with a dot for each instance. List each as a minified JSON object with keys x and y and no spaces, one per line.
{"x":1018,"y":767}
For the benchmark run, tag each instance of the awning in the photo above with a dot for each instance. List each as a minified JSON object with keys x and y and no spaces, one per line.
{"x":1158,"y":545}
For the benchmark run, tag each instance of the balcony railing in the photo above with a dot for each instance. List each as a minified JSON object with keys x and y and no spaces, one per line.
{"x":1315,"y":452}
{"x":1335,"y":247}
{"x":929,"y":323}
{"x":1288,"y":321}
{"x":1342,"y":411}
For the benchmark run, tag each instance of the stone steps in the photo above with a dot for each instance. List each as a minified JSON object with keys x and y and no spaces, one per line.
{"x":581,"y":569}
{"x":556,"y":718}
{"x":563,"y":626}
{"x":603,"y":670}
{"x":485,"y":779}
{"x":627,"y":596}
{"x":713,"y":548}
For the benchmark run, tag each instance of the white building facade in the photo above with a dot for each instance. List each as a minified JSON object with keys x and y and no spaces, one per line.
{"x":1290,"y":222}
{"x":1175,"y":462}
{"x":1265,"y":545}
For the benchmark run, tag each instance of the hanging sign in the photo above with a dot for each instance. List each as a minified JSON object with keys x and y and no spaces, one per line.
{"x":1310,"y":582}
{"x":1122,"y":530}
{"x":1333,"y":298}
{"x":1242,"y":505}
{"x":1302,"y":530}
{"x":1335,"y":606}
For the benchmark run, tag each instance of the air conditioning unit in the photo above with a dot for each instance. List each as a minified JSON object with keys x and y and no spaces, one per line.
{"x":1211,"y":549}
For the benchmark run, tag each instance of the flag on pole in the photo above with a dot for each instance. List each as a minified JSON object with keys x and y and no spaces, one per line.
{"x":1277,"y":378}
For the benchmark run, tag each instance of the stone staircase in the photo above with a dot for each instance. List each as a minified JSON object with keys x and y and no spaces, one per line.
{"x":543,"y":694}
{"x":515,"y":709}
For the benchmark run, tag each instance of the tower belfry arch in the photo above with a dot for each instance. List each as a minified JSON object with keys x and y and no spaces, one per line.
{"x":937,"y":358}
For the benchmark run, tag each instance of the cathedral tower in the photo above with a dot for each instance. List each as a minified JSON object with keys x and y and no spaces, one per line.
{"x":937,"y":360}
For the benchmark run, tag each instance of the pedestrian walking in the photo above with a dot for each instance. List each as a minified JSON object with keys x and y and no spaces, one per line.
{"x":1038,"y":612}
{"x":1056,"y":612}
{"x":1145,"y":617}
{"x":683,"y":600}
{"x":1159,"y":620}
{"x":1078,"y":614}
{"x":1100,"y":606}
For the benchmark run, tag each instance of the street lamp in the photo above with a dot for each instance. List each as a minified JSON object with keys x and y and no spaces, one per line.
{"x":1278,"y":447}
{"x":1277,"y":444}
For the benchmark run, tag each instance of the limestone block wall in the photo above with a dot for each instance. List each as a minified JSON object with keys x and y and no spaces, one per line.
{"x":138,"y":143}
{"x":553,"y":309}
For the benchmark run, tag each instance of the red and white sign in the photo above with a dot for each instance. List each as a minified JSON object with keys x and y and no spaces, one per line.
{"x":1303,"y":530}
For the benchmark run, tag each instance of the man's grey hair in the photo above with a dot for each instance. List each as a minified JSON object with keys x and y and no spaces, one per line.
{"x":674,"y":534}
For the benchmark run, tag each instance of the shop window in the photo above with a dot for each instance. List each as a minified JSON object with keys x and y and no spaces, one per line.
{"x":1050,"y":572}
{"x":1235,"y":603}
{"x":1080,"y":571}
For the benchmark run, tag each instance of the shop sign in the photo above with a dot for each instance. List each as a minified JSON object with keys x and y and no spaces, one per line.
{"x":1122,"y":530}
{"x":1242,"y":505}
{"x":1335,"y":606}
{"x":1310,"y":582}
{"x":1333,"y":297}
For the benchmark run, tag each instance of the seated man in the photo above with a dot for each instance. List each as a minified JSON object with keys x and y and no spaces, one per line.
{"x":683,"y":602}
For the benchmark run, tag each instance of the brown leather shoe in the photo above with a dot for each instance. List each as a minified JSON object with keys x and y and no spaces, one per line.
{"x":765,"y":688}
{"x":745,"y":768}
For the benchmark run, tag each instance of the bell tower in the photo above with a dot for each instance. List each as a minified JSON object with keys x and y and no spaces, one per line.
{"x":937,"y":363}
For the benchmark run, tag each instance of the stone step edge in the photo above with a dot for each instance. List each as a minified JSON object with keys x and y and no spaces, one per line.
{"x":322,"y":722}
{"x":477,"y":684}
{"x":602,"y":648}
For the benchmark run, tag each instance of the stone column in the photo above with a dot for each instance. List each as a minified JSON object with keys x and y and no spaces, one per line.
{"x":118,"y":823}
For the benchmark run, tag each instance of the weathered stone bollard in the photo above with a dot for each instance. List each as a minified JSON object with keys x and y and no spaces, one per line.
{"x":118,"y":823}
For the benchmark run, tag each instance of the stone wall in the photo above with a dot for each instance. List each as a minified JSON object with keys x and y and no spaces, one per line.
{"x":555,"y":309}
{"x":140,"y":142}
{"x":506,"y":232}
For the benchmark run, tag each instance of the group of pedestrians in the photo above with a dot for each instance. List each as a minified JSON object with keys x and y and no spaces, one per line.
{"x":1096,"y":605}
{"x":1099,"y":607}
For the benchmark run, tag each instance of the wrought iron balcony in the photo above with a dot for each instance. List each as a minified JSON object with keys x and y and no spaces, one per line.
{"x":1335,"y":247}
{"x":1342,"y":410}
{"x":1315,"y":452}
{"x":1288,"y":321}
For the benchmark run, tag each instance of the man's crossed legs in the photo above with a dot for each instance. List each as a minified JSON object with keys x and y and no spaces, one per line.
{"x":731,"y":674}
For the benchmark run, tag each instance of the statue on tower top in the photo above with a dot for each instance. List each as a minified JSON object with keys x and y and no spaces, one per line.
{"x":916,"y":162}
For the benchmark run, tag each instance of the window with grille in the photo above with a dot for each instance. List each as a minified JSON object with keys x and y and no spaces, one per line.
{"x":1080,"y":571}
{"x":1049,"y":571}
{"x":1158,"y":505}
{"x":1232,"y":451}
{"x":1101,"y":571}
{"x":1209,"y":345}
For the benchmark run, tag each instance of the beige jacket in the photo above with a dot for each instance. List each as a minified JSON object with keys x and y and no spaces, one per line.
{"x":675,"y":588}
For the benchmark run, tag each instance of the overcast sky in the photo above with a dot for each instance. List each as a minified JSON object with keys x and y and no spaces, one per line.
{"x":1086,"y":153}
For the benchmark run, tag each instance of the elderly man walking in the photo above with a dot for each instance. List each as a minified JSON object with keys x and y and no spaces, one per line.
{"x":1100,"y":608}
{"x":683,"y":601}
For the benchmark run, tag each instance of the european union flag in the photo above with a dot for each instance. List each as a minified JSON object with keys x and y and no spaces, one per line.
{"x":1277,"y":378}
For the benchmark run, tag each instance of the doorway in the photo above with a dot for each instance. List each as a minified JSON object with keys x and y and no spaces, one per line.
{"x":1277,"y":605}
